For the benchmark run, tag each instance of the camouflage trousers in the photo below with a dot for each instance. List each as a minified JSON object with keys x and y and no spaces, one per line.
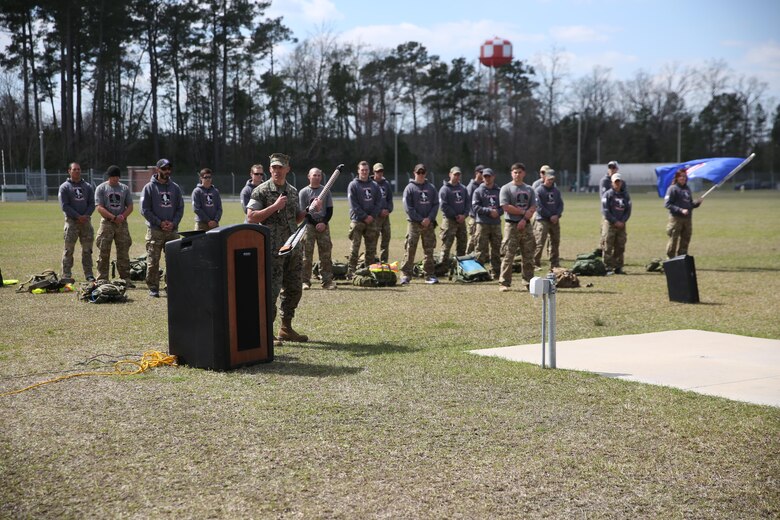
{"x":201,"y":226}
{"x":109,"y":233}
{"x":614,"y":245}
{"x":488,"y":247}
{"x":544,"y":229}
{"x":517,"y":241}
{"x":679,"y":230}
{"x":324,"y":249}
{"x":471,"y":224}
{"x":83,"y":233}
{"x":452,"y":231}
{"x":359,"y":231}
{"x":286,"y":282}
{"x":155,"y":242}
{"x":415,"y":232}
{"x":383,"y":236}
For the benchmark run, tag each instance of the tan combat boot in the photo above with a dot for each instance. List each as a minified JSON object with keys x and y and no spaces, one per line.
{"x":288,"y":333}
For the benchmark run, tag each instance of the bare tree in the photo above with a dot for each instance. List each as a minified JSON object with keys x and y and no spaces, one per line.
{"x":553,"y":69}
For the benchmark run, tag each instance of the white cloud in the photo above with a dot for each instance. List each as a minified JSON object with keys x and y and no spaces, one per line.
{"x":320,"y":11}
{"x":305,"y":11}
{"x":765,"y":55}
{"x":579,"y":34}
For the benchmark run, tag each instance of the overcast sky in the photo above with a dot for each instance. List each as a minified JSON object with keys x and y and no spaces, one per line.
{"x":623,"y":35}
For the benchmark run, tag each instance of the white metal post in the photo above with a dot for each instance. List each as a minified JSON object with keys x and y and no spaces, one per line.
{"x":544,"y":329}
{"x":579,"y":134}
{"x":551,"y":318}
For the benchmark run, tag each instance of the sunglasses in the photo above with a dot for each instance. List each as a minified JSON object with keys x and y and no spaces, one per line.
{"x":257,"y":173}
{"x":420,"y":171}
{"x":379,"y":171}
{"x":206,"y":177}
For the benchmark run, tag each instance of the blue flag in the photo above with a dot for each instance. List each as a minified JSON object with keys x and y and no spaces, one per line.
{"x":714,"y":169}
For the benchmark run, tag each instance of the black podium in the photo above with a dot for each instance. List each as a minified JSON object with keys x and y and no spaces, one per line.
{"x":681,"y":279}
{"x":219,"y":292}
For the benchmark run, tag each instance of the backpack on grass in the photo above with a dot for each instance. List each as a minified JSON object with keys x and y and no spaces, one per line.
{"x":377,"y":275}
{"x":440,"y":268}
{"x":137,"y":269}
{"x":656,"y":265}
{"x":589,"y":264}
{"x":385,"y":274}
{"x":103,"y":291}
{"x":467,"y":269}
{"x":565,"y":279}
{"x":45,"y":282}
{"x":340,"y":270}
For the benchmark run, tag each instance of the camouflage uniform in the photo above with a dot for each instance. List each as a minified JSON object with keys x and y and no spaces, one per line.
{"x":605,"y":185}
{"x":77,"y":199}
{"x":523,"y":197}
{"x":414,"y":232}
{"x":454,"y":202}
{"x":471,"y":221}
{"x":680,"y":226}
{"x":615,"y":207}
{"x":312,"y":236}
{"x":421,"y":201}
{"x":517,"y":241}
{"x":115,"y":199}
{"x":286,"y":270}
{"x":550,"y":205}
{"x":160,"y":201}
{"x":383,"y":223}
{"x":364,"y":199}
{"x":488,"y":233}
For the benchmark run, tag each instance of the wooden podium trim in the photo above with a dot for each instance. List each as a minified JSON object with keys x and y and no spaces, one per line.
{"x":247,"y":239}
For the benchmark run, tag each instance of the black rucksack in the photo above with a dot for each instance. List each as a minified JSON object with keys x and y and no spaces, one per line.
{"x":46,"y":281}
{"x":340,"y":270}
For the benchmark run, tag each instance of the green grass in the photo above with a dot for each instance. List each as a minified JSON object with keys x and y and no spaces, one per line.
{"x":384,"y":413}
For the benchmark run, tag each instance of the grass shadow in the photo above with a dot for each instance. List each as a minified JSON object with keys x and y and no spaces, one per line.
{"x":612,"y":374}
{"x":741,"y":270}
{"x":363,"y":349}
{"x":350,"y":287}
{"x":287,"y":365}
{"x":583,"y":291}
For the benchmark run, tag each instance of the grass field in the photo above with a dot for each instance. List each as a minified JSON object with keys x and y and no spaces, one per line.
{"x":384,"y":413}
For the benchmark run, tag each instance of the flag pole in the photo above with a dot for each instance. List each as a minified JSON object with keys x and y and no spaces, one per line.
{"x":730,"y":175}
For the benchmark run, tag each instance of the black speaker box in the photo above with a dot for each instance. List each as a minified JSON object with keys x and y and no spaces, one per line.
{"x":219,"y":292}
{"x":681,"y":279}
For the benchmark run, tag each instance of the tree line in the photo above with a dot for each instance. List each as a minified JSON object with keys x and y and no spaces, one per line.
{"x":197,"y":81}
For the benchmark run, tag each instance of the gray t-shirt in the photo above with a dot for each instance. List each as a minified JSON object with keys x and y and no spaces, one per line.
{"x":521,"y":196}
{"x":307,"y":194}
{"x":115,"y":199}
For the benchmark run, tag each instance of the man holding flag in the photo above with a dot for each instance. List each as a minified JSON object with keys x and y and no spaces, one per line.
{"x":673,"y":181}
{"x":679,"y":201}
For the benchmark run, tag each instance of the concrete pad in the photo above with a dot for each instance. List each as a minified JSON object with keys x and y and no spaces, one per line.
{"x":726,"y":365}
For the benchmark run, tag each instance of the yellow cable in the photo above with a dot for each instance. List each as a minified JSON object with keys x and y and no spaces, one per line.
{"x":123,"y":367}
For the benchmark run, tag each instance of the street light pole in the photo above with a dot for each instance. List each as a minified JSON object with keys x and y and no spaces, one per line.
{"x":44,"y":188}
{"x":395,"y":159}
{"x":679,"y":139}
{"x":579,"y":134}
